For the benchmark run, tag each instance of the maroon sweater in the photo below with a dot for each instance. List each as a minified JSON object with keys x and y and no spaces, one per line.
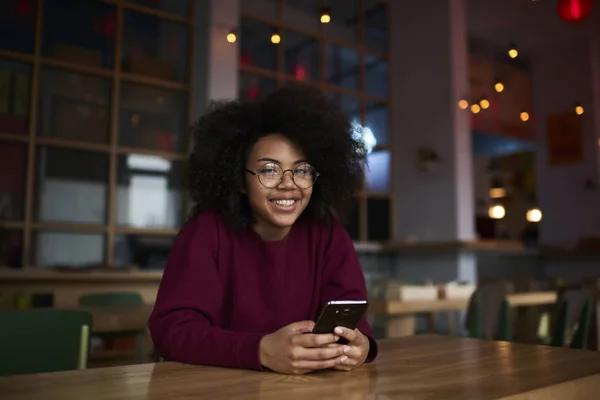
{"x":222,"y":291}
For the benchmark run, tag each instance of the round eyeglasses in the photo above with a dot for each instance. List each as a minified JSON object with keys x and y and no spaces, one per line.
{"x":271,"y":175}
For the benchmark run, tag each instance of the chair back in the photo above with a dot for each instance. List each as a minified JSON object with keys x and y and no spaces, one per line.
{"x":43,"y":340}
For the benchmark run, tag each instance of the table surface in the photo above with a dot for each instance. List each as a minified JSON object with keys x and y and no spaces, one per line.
{"x":418,"y":367}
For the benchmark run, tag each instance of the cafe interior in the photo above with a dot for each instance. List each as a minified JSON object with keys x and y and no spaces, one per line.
{"x":477,"y":229}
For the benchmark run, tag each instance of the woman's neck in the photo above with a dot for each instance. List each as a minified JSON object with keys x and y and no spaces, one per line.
{"x":271,"y":233}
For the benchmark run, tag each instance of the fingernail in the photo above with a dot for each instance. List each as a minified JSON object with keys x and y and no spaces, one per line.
{"x":343,"y":359}
{"x":339,"y":330}
{"x":336,"y":338}
{"x":346,"y":349}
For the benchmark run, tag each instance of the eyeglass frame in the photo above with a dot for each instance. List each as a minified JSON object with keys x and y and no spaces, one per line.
{"x":257,"y":174}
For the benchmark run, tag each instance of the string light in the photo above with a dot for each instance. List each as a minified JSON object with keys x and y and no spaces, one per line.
{"x":524,"y":116}
{"x":579,"y":109}
{"x":512,"y":51}
{"x":499,"y":86}
{"x":475,"y":108}
{"x":325,"y":15}
{"x":484,"y":103}
{"x":231,"y":37}
{"x":463,"y":104}
{"x":275,"y":38}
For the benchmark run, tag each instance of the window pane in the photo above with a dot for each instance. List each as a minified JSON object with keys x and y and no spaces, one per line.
{"x":179,"y":7}
{"x":13,"y":166}
{"x":72,"y":185}
{"x":378,"y":171}
{"x":349,"y":106}
{"x":376,"y":24}
{"x":255,"y":45}
{"x":378,"y":215}
{"x":153,"y":118}
{"x":17,"y":25}
{"x":15,"y":95}
{"x":344,"y":20}
{"x":342,"y":67}
{"x":79,"y":31}
{"x":11,"y":248}
{"x":351,"y":221}
{"x":144,"y":251}
{"x":302,"y":56}
{"x":263,"y":8}
{"x":155,"y":47}
{"x":376,"y":74}
{"x":377,"y":120}
{"x":253,"y":87}
{"x":304,"y":14}
{"x":150,"y":192}
{"x":68,"y":249}
{"x":74,"y":106}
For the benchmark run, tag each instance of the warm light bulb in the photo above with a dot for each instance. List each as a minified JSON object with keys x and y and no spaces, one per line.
{"x":496,"y":212}
{"x":231,"y":38}
{"x":275,"y":38}
{"x":534,"y":215}
{"x":499,"y":86}
{"x":463,"y":104}
{"x":475,"y":108}
{"x":513,"y":52}
{"x":325,"y":18}
{"x":579,"y":109}
{"x":524,"y":116}
{"x":485,"y":104}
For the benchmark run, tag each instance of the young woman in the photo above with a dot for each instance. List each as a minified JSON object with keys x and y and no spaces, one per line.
{"x":264,"y":251}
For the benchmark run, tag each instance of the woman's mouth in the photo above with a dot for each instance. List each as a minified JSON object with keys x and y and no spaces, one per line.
{"x":282,"y":205}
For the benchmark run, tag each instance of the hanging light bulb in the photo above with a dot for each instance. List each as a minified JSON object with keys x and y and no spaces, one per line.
{"x":499,"y":86}
{"x":475,"y":108}
{"x":512,"y":51}
{"x":325,"y":15}
{"x":463,"y":104}
{"x":579,"y":109}
{"x":484,"y":103}
{"x":497,"y":212}
{"x":524,"y":116}
{"x":275,"y":38}
{"x":231,"y":36}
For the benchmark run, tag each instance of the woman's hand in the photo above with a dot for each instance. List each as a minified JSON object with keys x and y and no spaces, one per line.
{"x":355,"y":352}
{"x":293,"y":350}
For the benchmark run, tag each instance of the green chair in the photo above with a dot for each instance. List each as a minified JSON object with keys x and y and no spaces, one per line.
{"x":43,"y":340}
{"x":117,"y":299}
{"x":568,"y":317}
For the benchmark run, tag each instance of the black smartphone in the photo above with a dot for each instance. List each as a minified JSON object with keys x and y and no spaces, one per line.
{"x":344,"y":313}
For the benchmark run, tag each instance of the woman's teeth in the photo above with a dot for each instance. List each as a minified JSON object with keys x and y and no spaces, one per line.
{"x":284,"y":203}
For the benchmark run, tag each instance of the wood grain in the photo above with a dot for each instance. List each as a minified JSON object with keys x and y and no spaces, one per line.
{"x":419,"y":367}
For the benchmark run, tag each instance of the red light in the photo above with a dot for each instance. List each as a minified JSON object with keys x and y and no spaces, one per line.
{"x":574,"y":11}
{"x":23,"y":8}
{"x":252,"y":92}
{"x":300,"y":72}
{"x":109,"y":26}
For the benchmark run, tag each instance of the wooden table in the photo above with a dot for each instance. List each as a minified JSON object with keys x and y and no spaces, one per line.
{"x":418,"y":367}
{"x":400,"y":315}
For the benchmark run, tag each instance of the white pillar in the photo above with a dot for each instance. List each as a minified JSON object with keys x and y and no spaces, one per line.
{"x":561,"y":76}
{"x":429,"y":75}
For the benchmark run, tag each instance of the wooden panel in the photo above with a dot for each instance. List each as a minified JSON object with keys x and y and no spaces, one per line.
{"x":419,"y":367}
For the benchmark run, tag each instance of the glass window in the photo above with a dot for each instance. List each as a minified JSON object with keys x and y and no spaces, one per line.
{"x":179,"y":7}
{"x":349,"y":106}
{"x":263,"y":8}
{"x":376,"y":24}
{"x":378,"y":226}
{"x":68,"y":249}
{"x":256,"y":49}
{"x":11,"y":248}
{"x":15,"y":97}
{"x":376,"y":76}
{"x":302,"y":56}
{"x":72,"y":185}
{"x":253,"y":87}
{"x":147,"y":252}
{"x":149,"y":192}
{"x":352,"y":221}
{"x":17,"y":25}
{"x":378,"y":171}
{"x":74,"y":106}
{"x":79,"y":31}
{"x":343,"y":67}
{"x":344,"y":20}
{"x":377,"y":120}
{"x":305,"y":14}
{"x":155,"y":47}
{"x":13,"y":165}
{"x":152,"y":118}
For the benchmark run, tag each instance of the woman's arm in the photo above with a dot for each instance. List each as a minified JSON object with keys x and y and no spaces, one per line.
{"x":189,"y":301}
{"x":343,"y":278}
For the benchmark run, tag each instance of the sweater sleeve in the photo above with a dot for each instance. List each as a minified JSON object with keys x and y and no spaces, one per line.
{"x":189,"y":301}
{"x":343,"y":278}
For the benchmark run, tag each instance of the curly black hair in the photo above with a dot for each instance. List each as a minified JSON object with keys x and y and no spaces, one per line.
{"x":225,"y":134}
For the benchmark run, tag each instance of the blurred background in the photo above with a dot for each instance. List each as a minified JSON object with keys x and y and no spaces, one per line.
{"x":481,"y":119}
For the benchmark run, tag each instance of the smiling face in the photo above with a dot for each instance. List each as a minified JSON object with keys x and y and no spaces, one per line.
{"x":277,"y":207}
